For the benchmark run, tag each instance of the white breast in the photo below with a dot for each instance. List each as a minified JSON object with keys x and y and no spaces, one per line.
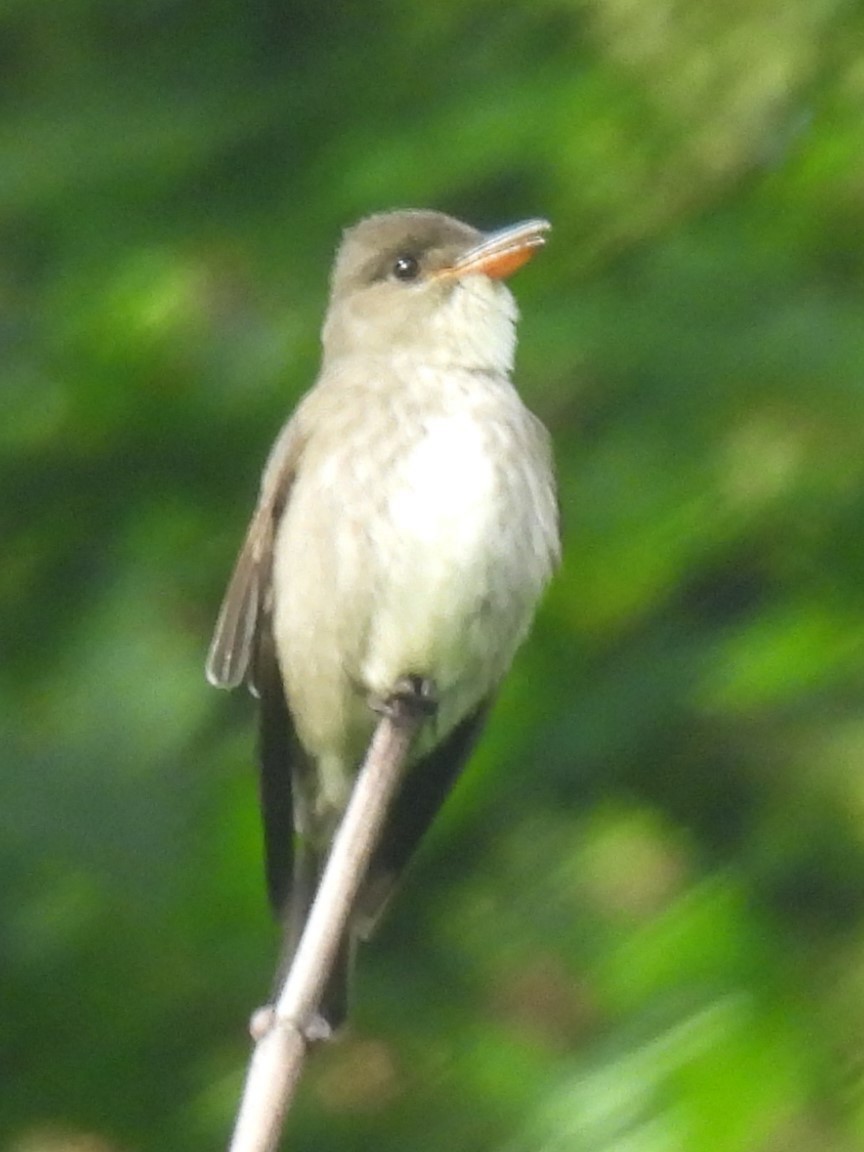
{"x":442,"y":503}
{"x":418,"y":538}
{"x":441,"y":540}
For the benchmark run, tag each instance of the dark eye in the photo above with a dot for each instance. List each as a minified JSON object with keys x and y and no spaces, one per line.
{"x":406,"y":268}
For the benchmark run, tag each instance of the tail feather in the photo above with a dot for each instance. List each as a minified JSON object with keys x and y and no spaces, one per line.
{"x":295,"y":861}
{"x":293,"y":864}
{"x":424,"y":789}
{"x":308,"y":869}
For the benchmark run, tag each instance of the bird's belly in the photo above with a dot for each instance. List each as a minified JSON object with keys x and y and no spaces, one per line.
{"x":417,"y":567}
{"x":439,"y":548}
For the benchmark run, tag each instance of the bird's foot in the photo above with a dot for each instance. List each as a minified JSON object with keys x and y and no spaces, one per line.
{"x":412,"y":698}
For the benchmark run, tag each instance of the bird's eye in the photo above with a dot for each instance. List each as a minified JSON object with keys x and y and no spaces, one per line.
{"x":406,"y":268}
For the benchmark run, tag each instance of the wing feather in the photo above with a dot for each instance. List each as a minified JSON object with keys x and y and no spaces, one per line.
{"x":233,"y":643}
{"x":231,"y":658}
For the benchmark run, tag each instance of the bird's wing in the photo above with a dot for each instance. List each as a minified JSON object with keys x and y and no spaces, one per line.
{"x":293,"y":864}
{"x":246,"y":605}
{"x":424,"y":790}
{"x":243,"y":650}
{"x":290,"y":877}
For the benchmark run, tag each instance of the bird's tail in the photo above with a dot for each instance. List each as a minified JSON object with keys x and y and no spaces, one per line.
{"x":308,"y":869}
{"x":294,"y":862}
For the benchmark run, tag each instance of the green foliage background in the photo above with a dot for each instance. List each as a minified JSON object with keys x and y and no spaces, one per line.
{"x":639,"y":926}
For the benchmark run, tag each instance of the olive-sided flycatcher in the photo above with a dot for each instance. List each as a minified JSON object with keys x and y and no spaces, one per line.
{"x":405,"y":530}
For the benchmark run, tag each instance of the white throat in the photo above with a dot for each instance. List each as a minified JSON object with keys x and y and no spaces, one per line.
{"x":474,"y":327}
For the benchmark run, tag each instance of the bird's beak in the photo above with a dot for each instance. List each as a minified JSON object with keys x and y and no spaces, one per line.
{"x":501,"y":253}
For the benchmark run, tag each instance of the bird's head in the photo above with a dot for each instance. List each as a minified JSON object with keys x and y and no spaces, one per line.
{"x":422,"y":284}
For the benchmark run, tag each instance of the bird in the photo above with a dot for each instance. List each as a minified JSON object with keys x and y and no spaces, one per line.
{"x":405,"y":530}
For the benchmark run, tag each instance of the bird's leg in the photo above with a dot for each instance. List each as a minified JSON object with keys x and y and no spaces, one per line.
{"x":412,"y":698}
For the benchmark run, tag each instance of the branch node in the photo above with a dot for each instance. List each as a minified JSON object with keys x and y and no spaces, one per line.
{"x":261,"y":1021}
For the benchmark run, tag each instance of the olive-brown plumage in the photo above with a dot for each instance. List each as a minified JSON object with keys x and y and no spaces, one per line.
{"x":406,"y":527}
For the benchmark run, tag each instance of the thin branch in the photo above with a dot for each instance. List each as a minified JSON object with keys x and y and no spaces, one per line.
{"x":281,"y":1034}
